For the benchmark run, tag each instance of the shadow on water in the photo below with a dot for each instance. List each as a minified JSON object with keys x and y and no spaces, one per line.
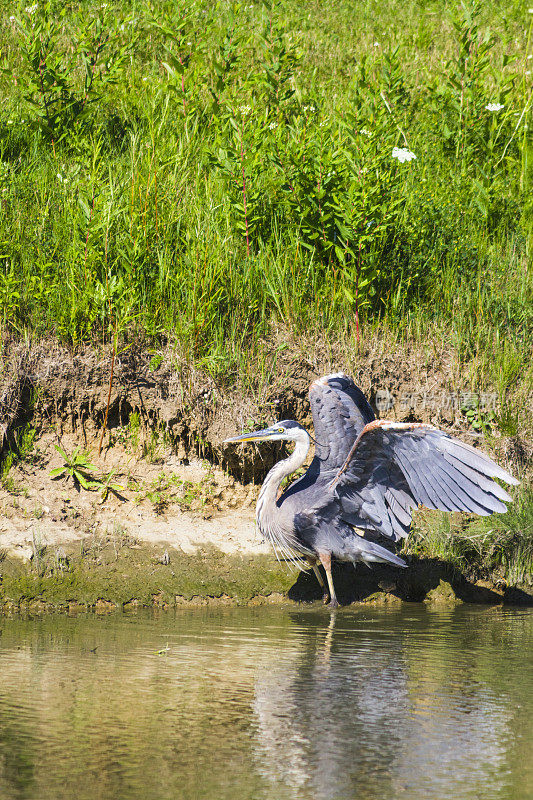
{"x":355,"y":584}
{"x":323,"y":718}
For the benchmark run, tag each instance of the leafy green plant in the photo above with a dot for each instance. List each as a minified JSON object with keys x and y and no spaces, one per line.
{"x":155,"y":362}
{"x":8,"y":482}
{"x":164,"y":205}
{"x":158,"y":492}
{"x":478,"y":418}
{"x":508,"y":421}
{"x":278,"y":61}
{"x":59,"y":102}
{"x":512,"y":536}
{"x":177,"y":29}
{"x":224,"y":62}
{"x":108,"y":485}
{"x":237,"y":155}
{"x":21,"y":449}
{"x":479,"y":544}
{"x":78,"y":467}
{"x":10,"y":294}
{"x":39,"y":552}
{"x":476,"y":121}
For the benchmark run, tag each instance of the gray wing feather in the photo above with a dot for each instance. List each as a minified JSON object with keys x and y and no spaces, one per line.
{"x":393,"y":467}
{"x":400,"y":504}
{"x":467,"y":455}
{"x":485,"y":483}
{"x":340,"y":412}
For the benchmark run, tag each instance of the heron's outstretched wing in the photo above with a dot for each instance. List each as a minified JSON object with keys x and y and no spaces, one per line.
{"x":340,"y":412}
{"x":393,"y":467}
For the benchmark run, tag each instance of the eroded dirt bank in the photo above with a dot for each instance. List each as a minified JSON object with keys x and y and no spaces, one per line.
{"x":168,"y":518}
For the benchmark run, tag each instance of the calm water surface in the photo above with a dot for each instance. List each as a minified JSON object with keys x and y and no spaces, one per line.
{"x":268,"y":704}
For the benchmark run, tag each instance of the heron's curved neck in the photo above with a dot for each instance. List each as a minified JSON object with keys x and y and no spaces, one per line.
{"x":269,"y":491}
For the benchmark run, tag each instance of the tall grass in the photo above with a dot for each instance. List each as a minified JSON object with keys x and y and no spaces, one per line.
{"x":501,"y":543}
{"x":199,"y":172}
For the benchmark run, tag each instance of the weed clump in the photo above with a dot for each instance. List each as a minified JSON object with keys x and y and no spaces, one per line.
{"x":500,"y":544}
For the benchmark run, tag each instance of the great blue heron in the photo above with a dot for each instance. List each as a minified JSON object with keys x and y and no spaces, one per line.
{"x":367,"y":475}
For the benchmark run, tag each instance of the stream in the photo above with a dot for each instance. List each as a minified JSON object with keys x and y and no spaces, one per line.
{"x":268,"y":703}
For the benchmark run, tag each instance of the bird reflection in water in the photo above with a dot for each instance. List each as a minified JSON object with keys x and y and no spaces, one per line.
{"x":345,"y":714}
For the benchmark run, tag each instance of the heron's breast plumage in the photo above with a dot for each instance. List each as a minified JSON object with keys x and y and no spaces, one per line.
{"x":278,"y":529}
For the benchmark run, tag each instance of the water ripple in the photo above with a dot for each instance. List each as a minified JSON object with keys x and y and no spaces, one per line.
{"x":268,"y":704}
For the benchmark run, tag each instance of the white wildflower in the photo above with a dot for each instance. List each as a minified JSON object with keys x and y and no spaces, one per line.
{"x":31,"y":9}
{"x":494,"y":107}
{"x":61,"y":178}
{"x":273,"y":126}
{"x":376,"y":44}
{"x":528,"y":72}
{"x":528,"y":58}
{"x":244,"y":109}
{"x":402,"y":154}
{"x":12,"y":19}
{"x":365,"y":132}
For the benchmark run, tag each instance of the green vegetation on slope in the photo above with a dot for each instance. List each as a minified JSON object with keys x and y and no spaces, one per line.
{"x":136,"y":575}
{"x":501,"y":545}
{"x":199,"y":171}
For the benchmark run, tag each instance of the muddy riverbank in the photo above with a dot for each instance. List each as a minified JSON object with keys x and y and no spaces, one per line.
{"x":103,"y":576}
{"x":166,"y":515}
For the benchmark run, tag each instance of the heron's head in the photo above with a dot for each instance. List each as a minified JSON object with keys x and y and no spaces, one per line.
{"x":288,"y":430}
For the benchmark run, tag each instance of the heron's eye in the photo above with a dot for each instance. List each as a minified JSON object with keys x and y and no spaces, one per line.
{"x":280,"y":430}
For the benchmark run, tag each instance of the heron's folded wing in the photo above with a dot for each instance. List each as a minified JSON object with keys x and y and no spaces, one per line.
{"x":393,"y":467}
{"x":340,"y":412}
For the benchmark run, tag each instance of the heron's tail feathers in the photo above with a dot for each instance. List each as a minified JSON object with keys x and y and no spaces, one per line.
{"x":370,"y":552}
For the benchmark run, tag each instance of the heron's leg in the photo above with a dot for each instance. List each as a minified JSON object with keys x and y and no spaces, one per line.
{"x":325,"y":596}
{"x":325,"y":558}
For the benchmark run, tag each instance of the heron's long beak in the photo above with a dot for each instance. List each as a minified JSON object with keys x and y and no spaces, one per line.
{"x":253,"y":436}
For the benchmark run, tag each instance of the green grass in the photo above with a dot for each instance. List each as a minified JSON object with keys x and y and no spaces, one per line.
{"x":500,"y":544}
{"x":22,"y":449}
{"x":200,"y":174}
